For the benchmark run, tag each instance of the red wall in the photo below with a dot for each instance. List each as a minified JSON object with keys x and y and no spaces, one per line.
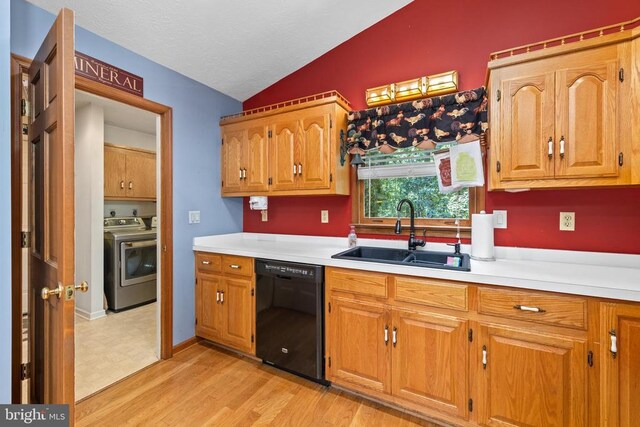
{"x":423,"y":39}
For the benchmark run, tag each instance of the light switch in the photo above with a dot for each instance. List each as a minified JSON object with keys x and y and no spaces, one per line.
{"x":324,"y":217}
{"x":194,"y":217}
{"x":499,"y":219}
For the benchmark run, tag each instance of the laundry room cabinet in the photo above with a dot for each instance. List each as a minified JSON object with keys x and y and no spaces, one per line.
{"x":129,"y":173}
{"x":225,"y":301}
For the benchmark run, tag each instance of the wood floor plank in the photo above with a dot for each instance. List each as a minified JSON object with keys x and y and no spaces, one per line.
{"x":204,"y":385}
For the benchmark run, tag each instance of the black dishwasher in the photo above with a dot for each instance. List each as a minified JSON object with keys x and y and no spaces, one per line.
{"x":289,"y":317}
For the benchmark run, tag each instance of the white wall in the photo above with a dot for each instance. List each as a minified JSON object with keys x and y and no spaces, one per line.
{"x":89,"y":197}
{"x":131,"y":138}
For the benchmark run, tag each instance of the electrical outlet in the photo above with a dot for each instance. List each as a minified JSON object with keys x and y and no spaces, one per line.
{"x":567,"y":221}
{"x":499,"y":219}
{"x":265,"y":218}
{"x":194,"y":217}
{"x":324,"y":217}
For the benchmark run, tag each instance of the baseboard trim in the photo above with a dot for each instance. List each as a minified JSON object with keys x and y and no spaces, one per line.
{"x":185,"y":344}
{"x":90,"y":316}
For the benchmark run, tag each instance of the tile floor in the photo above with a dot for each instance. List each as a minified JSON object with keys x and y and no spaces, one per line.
{"x":113,"y":347}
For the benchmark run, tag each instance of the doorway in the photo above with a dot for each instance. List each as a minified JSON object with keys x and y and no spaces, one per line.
{"x":116,"y":319}
{"x":25,"y":374}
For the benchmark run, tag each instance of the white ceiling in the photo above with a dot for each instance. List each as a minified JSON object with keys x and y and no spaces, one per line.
{"x":119,"y":114}
{"x":237,"y":47}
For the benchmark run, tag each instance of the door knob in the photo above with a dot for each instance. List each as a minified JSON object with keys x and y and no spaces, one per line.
{"x":46,"y":293}
{"x":82,"y":287}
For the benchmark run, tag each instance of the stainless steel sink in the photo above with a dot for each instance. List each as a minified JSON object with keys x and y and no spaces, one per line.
{"x":429,"y":259}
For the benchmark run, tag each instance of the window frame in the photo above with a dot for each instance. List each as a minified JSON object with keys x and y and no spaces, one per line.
{"x":435,"y":227}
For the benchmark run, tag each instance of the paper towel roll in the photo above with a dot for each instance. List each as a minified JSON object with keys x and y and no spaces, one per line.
{"x":482,"y":237}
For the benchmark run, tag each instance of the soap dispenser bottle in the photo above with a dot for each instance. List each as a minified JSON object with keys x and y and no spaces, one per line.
{"x":352,"y":237}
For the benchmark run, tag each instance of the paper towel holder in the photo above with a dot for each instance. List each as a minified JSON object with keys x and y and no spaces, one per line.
{"x":258,"y":203}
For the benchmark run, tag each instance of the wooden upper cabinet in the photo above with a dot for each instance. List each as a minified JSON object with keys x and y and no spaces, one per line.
{"x":115,"y":172}
{"x":532,"y":379}
{"x":129,"y":173}
{"x":313,"y":170}
{"x":256,"y":176}
{"x":528,"y":110}
{"x":356,"y":344}
{"x":429,"y":361}
{"x":587,"y":110}
{"x":232,"y":147}
{"x":283,"y":155}
{"x":141,"y":175}
{"x":620,"y":371}
{"x":293,"y":150}
{"x":563,"y":117}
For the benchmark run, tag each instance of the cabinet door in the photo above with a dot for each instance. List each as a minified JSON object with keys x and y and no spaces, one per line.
{"x":429,"y":361}
{"x":530,"y":379}
{"x":141,"y":175}
{"x":620,"y":375}
{"x":238,"y":314}
{"x":256,"y":163}
{"x":358,"y":351}
{"x":114,"y":172}
{"x":232,"y":156}
{"x":587,"y":108}
{"x":528,"y":124}
{"x":313,"y":166}
{"x":283,"y":159}
{"x":208,"y":306}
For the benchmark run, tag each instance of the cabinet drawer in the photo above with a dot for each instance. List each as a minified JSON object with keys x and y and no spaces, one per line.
{"x":536,"y":307}
{"x":208,"y":263}
{"x":432,"y":292}
{"x":237,"y":265}
{"x":355,"y":282}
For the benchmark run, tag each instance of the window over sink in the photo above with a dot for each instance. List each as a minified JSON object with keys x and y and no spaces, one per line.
{"x":384,"y":180}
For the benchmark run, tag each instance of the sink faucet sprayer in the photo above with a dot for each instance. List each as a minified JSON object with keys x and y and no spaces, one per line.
{"x":413,"y":242}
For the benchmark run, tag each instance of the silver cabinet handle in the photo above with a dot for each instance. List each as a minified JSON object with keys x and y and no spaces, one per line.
{"x":206,"y":262}
{"x":299,"y":168}
{"x":614,"y":343}
{"x":235,"y":266}
{"x":386,"y":334}
{"x":394,"y":336}
{"x":217,"y":297}
{"x":244,"y":174}
{"x":562,"y":146}
{"x":221,"y":297}
{"x":527,"y":308}
{"x":294,"y":170}
{"x":484,"y":357}
{"x":122,"y":185}
{"x":130,"y":185}
{"x":550,"y":147}
{"x":240,"y":173}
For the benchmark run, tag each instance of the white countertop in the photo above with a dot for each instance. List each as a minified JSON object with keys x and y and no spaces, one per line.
{"x":603,"y":275}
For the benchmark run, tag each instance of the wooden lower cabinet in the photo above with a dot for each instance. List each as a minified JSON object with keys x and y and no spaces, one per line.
{"x":620,"y":372}
{"x":530,"y":379}
{"x":225,"y":304}
{"x":430,"y":360}
{"x":358,"y":351}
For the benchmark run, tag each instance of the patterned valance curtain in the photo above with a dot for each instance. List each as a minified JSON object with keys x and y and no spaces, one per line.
{"x":425,"y":124}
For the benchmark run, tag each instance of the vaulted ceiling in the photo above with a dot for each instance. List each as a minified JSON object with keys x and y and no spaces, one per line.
{"x":238,"y":47}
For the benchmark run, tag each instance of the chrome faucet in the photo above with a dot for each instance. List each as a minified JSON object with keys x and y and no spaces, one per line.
{"x":413,"y":242}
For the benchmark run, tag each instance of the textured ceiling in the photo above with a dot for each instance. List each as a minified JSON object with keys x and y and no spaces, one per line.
{"x":237,"y":47}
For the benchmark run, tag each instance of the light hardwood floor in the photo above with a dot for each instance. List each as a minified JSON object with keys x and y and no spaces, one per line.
{"x":204,"y":385}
